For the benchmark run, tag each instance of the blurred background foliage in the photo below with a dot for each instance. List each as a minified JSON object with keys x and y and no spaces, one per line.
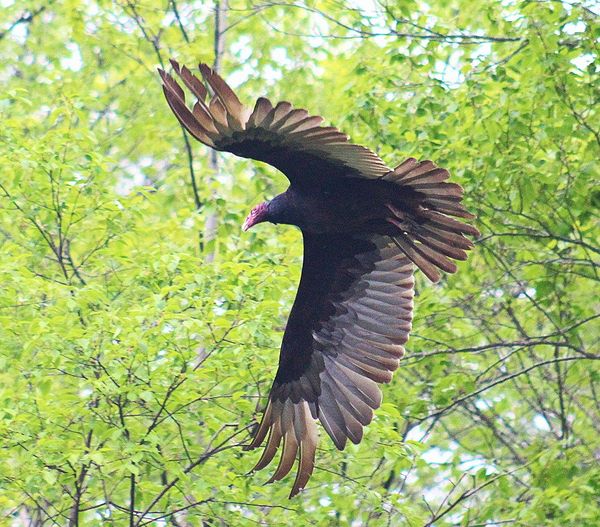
{"x":138,"y":343}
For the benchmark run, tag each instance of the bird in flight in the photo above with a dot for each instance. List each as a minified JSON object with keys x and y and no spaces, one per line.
{"x":365,"y":227}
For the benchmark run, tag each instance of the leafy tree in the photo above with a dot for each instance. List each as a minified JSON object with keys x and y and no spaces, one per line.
{"x":134,"y":366}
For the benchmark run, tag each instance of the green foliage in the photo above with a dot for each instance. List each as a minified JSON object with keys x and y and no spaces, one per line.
{"x":132,"y":369}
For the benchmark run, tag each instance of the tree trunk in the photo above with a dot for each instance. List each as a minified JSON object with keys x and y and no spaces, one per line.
{"x":221,"y":7}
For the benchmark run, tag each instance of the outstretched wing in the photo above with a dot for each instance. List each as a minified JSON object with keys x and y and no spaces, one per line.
{"x":346,"y":332}
{"x":289,"y":139}
{"x":307,"y":153}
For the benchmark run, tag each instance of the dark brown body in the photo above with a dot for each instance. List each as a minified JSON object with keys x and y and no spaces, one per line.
{"x":334,"y":207}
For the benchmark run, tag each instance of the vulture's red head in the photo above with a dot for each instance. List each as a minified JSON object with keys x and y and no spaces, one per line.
{"x":257,"y":215}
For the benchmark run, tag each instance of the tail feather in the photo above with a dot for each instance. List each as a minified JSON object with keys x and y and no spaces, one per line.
{"x":427,"y":234}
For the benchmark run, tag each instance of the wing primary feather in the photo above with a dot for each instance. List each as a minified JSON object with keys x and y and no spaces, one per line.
{"x":224,"y":92}
{"x":171,"y":85}
{"x":282,"y":110}
{"x":406,"y":166}
{"x":263,"y":428}
{"x":293,"y":117}
{"x":290,"y":443}
{"x":205,"y":120}
{"x":307,"y":123}
{"x":308,"y":447}
{"x":186,"y":118}
{"x":270,"y":449}
{"x":261,"y":109}
{"x":193,"y":83}
{"x":174,"y":64}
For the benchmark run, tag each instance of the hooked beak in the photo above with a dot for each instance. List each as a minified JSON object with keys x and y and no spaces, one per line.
{"x":257,"y":215}
{"x":248,"y":222}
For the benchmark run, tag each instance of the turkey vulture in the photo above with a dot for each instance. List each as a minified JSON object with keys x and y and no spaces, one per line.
{"x":364,"y":225}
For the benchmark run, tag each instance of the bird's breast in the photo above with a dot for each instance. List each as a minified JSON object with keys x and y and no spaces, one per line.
{"x":338,"y":209}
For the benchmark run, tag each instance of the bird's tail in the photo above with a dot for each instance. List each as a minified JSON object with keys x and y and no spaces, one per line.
{"x":427,"y":234}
